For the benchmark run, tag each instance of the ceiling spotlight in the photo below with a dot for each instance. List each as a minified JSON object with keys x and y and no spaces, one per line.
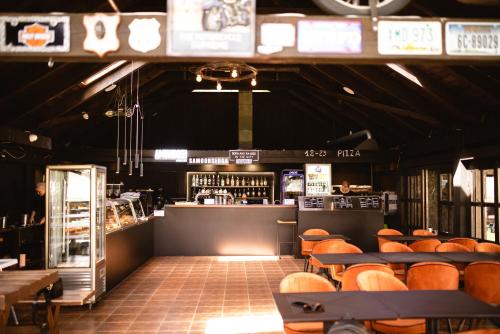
{"x":253,"y":82}
{"x":219,"y":86}
{"x":109,"y":113}
{"x":348,"y":90}
{"x":32,"y":137}
{"x":198,"y":78}
{"x":85,"y":115}
{"x":234,"y":73}
{"x":110,"y":88}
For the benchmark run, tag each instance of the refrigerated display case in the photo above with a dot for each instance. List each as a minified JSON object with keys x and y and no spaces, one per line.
{"x":318,"y":179}
{"x":292,"y":185}
{"x":75,"y":228}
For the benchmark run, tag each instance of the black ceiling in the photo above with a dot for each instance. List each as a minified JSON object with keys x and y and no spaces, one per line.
{"x":307,"y":106}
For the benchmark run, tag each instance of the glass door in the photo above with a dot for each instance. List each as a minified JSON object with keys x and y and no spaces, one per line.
{"x":69,"y":220}
{"x":100,"y":229}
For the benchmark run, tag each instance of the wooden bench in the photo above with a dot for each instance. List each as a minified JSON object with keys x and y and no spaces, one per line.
{"x":69,"y":298}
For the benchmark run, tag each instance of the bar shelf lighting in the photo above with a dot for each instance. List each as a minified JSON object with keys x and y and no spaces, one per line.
{"x":111,"y":67}
{"x":404,"y":72}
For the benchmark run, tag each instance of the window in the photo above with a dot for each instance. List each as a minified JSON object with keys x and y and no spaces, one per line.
{"x":446,"y":203}
{"x":414,"y":201}
{"x":484,"y":205}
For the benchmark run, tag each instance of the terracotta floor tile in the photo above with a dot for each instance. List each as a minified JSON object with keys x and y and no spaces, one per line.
{"x":114,"y":326}
{"x":144,"y":326}
{"x":175,"y":326}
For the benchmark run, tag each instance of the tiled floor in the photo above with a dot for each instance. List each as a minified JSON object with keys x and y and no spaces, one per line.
{"x":189,"y":295}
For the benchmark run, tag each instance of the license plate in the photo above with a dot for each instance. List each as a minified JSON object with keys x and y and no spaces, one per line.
{"x":409,"y":38}
{"x":466,"y":39}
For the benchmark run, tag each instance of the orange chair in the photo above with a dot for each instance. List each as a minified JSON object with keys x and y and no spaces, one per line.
{"x":352,"y":272}
{"x":386,"y":231}
{"x":307,"y":246}
{"x":432,"y":276}
{"x":452,"y":247}
{"x":487,"y":247}
{"x":422,"y":232}
{"x":337,"y":270}
{"x":323,"y":247}
{"x":304,"y":282}
{"x":391,"y":247}
{"x":428,"y":245}
{"x":372,"y":280}
{"x":467,"y":242}
{"x":481,"y":281}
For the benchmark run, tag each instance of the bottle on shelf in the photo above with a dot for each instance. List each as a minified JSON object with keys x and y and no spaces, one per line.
{"x":222,"y":181}
{"x":243,"y":181}
{"x":205,"y":180}
{"x":248,"y":192}
{"x":264,"y":193}
{"x":209,"y":181}
{"x":217,"y":180}
{"x":213,"y":180}
{"x":227,"y":180}
{"x":252,"y":183}
{"x":258,"y":192}
{"x":265,"y":181}
{"x":232,"y":181}
{"x":237,"y":181}
{"x":253,"y":192}
{"x":193,"y":181}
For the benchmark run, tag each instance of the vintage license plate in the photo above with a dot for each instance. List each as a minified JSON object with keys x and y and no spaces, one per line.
{"x":471,"y":39}
{"x":410,"y":38}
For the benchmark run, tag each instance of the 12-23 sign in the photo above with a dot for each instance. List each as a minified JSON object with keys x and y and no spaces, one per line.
{"x":315,"y":153}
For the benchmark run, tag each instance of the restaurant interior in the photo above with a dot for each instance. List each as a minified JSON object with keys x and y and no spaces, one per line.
{"x":310,"y":184}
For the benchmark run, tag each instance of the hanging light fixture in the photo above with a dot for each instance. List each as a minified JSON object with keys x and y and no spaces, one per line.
{"x":85,"y":115}
{"x":225,"y":72}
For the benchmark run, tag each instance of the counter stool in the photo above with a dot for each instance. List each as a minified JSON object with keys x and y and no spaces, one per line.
{"x":285,"y":223}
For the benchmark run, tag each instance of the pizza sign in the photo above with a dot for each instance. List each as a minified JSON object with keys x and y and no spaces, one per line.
{"x":34,"y":34}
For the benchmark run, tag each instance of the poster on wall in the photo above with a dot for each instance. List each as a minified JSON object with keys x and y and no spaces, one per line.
{"x":34,"y":34}
{"x":211,"y":28}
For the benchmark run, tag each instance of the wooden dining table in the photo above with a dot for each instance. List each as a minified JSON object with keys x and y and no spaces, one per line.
{"x":21,"y":284}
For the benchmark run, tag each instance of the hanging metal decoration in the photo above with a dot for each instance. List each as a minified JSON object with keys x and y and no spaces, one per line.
{"x":129,"y":109}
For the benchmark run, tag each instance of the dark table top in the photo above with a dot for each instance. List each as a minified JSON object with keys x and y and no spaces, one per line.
{"x":376,"y":257}
{"x":410,"y":238}
{"x":323,"y":237}
{"x":384,"y":305}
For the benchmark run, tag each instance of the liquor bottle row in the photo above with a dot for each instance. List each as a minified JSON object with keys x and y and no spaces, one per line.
{"x":237,"y":193}
{"x":204,"y":180}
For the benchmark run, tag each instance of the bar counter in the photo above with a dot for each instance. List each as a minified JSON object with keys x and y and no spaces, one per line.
{"x":216,"y":230}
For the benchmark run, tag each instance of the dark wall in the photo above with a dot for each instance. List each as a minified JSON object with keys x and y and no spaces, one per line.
{"x":17,"y":188}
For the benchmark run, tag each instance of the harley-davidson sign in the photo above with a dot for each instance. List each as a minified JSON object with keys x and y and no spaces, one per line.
{"x":34,"y":34}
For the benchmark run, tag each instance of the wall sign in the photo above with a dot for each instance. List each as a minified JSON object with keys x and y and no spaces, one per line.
{"x":472,"y":39}
{"x":211,"y":28}
{"x":409,"y":38}
{"x":102,"y":34}
{"x":348,"y":153}
{"x":244,"y":157}
{"x":275,"y":36}
{"x":34,"y":34}
{"x":329,"y":37}
{"x":144,"y":34}
{"x":209,"y":161}
{"x":316,"y":153}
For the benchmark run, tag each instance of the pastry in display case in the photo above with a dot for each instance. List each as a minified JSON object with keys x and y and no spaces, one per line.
{"x":75,"y":228}
{"x":124,"y":211}
{"x":112,"y":222}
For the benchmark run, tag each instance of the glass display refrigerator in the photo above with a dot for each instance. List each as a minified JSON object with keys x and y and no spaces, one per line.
{"x":318,"y":179}
{"x":75,"y":226}
{"x":292,"y":186}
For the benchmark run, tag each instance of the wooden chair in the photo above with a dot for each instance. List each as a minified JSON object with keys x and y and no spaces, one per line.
{"x":466,"y":242}
{"x":392,"y":247}
{"x":421,"y":232}
{"x":428,"y":245}
{"x":372,"y":280}
{"x":385,"y":231}
{"x":307,"y":246}
{"x":304,"y":282}
{"x":487,"y":247}
{"x":323,"y":247}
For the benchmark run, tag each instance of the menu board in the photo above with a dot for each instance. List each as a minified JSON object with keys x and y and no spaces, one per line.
{"x":409,"y":38}
{"x":472,"y":38}
{"x":318,"y":179}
